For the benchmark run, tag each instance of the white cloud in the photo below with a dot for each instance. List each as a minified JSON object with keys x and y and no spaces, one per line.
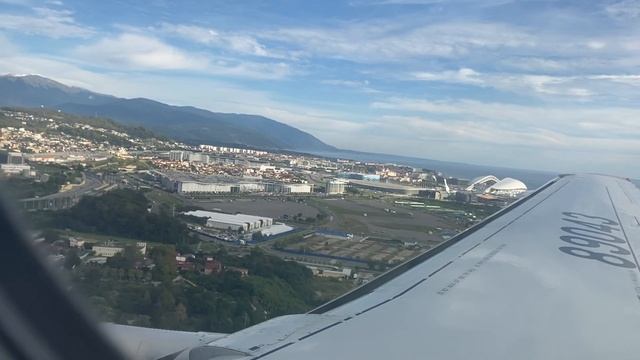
{"x":521,"y":83}
{"x":139,"y":52}
{"x":135,"y":51}
{"x":462,"y":76}
{"x":558,"y":124}
{"x":633,"y":80}
{"x":394,"y":41}
{"x":54,"y":23}
{"x":235,"y":42}
{"x":360,"y":85}
{"x":624,"y":9}
{"x":587,"y":87}
{"x":559,"y":138}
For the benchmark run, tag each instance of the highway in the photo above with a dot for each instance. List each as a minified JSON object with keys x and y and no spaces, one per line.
{"x":65,"y":199}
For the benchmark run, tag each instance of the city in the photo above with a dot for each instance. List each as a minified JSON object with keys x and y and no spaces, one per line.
{"x":345,"y":221}
{"x":337,"y":179}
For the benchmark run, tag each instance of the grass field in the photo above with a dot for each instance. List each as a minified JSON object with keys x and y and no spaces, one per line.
{"x":98,"y":238}
{"x":329,"y":289}
{"x":382,"y":218}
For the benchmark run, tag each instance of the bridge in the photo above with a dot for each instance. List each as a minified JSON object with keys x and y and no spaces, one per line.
{"x":64,"y":199}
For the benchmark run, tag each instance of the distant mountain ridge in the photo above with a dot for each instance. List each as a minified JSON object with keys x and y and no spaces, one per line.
{"x":184,"y":123}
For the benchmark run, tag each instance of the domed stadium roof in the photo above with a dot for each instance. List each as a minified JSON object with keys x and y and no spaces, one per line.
{"x":508,"y":184}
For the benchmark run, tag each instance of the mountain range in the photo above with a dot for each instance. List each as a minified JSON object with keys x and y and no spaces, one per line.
{"x":184,"y":123}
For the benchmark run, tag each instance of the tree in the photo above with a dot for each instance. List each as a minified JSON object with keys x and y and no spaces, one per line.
{"x":257,"y":236}
{"x":127,"y":259}
{"x":164,"y":258}
{"x":72,"y":259}
{"x":50,"y":235}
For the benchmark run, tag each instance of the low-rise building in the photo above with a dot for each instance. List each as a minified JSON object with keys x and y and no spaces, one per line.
{"x":211,"y":266}
{"x":233,"y":222}
{"x":297,"y":188}
{"x":15,"y":169}
{"x":76,"y":243}
{"x":343,"y":273}
{"x":110,"y":250}
{"x":242,"y":271}
{"x":107,"y":251}
{"x":335,"y":187}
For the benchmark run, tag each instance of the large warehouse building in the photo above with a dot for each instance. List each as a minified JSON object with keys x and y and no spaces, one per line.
{"x":189,"y":184}
{"x":199,"y":187}
{"x":237,"y":222}
{"x":288,"y":188}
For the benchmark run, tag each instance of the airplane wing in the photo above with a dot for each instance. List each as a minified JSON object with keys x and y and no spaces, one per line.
{"x":553,"y":276}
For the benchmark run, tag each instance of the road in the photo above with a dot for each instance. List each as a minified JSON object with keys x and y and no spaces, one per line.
{"x":65,"y":199}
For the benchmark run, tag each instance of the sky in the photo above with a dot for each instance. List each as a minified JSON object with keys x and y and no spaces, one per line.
{"x":548,"y":85}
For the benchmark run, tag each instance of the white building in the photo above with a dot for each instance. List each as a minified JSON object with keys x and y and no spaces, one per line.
{"x":344,"y":273}
{"x":76,"y":243}
{"x":237,"y":222}
{"x":111,"y":250}
{"x":507,"y":187}
{"x":297,"y":188}
{"x":335,"y":186}
{"x":198,"y":157}
{"x":247,"y":187}
{"x":178,"y":155}
{"x":14,"y":169}
{"x":107,"y":251}
{"x":277,"y":187}
{"x":199,"y":187}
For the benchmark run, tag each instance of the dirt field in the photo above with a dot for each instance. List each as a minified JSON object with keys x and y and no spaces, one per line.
{"x":383,"y":219}
{"x":368,"y":249}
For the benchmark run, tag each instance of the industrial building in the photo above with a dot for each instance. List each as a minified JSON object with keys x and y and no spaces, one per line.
{"x":14,"y":169}
{"x":188,"y":184}
{"x":283,"y":188}
{"x":15,"y":165}
{"x":178,"y":155}
{"x":196,"y":187}
{"x":186,"y":187}
{"x":360,"y":176}
{"x":15,"y":158}
{"x":198,"y":157}
{"x":297,"y":188}
{"x":335,"y":187}
{"x":234,"y":222}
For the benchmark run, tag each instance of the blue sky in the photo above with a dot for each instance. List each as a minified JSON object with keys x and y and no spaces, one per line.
{"x":550,"y":85}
